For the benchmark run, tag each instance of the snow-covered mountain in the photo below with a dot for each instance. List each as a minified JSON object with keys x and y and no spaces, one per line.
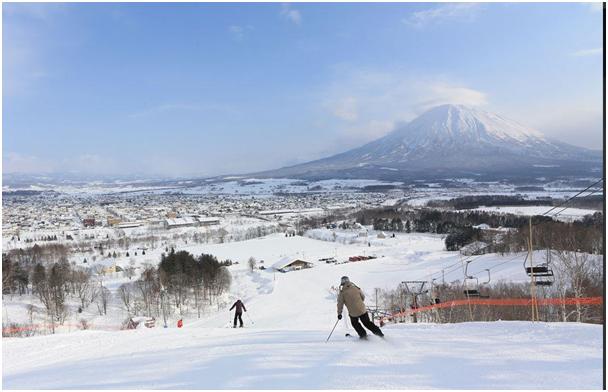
{"x":453,"y":140}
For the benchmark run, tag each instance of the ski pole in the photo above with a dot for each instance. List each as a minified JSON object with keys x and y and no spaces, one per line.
{"x":249,"y":318}
{"x":332,"y":331}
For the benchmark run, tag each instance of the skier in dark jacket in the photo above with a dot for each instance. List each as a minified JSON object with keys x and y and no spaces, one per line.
{"x":240,"y":306}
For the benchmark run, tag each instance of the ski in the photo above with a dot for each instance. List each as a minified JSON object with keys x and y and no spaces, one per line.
{"x":355,"y":337}
{"x":365,"y":338}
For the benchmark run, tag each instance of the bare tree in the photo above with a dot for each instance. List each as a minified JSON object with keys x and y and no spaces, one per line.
{"x":129,"y":271}
{"x":251,"y":263}
{"x":83,"y":287}
{"x":102,"y":301}
{"x":149,"y":288}
{"x":98,"y":271}
{"x":125,"y":293}
{"x":574,"y":275}
{"x":30,"y":312}
{"x":198,"y":293}
{"x":224,"y":281}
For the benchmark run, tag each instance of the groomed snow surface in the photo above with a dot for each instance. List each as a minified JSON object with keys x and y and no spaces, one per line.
{"x":500,"y":355}
{"x":289,"y":317}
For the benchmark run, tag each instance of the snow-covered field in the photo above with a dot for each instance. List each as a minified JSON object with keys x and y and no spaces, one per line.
{"x":501,"y":355}
{"x":231,"y":186}
{"x":288,"y":319}
{"x":565,"y":214}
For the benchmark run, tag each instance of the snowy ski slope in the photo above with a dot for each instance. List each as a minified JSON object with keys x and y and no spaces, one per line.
{"x":289,"y":317}
{"x":500,"y":355}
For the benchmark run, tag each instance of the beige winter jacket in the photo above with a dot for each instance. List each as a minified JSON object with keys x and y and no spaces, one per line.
{"x":351,"y":296}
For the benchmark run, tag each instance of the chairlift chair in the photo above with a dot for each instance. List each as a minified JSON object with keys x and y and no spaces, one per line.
{"x":489,"y":277}
{"x":434,"y":292}
{"x":486,"y":283}
{"x":414,"y":287}
{"x":542,"y":273}
{"x":472,"y":290}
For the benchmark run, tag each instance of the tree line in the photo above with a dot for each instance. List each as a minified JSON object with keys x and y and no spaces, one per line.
{"x":55,"y":284}
{"x":585,"y":235}
{"x":100,"y":246}
{"x":181,"y":283}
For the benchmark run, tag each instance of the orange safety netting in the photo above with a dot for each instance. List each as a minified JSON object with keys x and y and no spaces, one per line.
{"x":505,"y":302}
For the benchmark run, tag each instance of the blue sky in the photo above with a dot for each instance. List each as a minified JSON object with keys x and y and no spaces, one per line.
{"x":207,"y":89}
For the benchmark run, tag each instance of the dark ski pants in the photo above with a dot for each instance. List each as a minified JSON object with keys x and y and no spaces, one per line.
{"x":238,"y":315}
{"x":368,"y":324}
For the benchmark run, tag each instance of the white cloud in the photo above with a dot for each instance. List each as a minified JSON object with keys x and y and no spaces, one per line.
{"x":22,"y":60}
{"x":36,"y":11}
{"x":239,"y":33}
{"x":31,"y":32}
{"x":588,"y":52}
{"x":441,"y":13}
{"x":14,"y":162}
{"x":88,"y":163}
{"x":579,"y":124}
{"x":596,"y":6}
{"x":180,"y":106}
{"x":442,"y":93}
{"x":291,"y":14}
{"x":368,"y":104}
{"x":363,"y":105}
{"x":346,"y":109}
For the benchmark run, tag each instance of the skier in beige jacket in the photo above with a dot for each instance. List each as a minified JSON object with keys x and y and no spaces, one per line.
{"x":352,"y":296}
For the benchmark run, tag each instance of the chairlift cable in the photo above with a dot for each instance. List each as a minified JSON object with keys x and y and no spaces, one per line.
{"x":472,"y":258}
{"x":573,"y":197}
{"x":459,"y":262}
{"x":501,"y":263}
{"x":565,"y":208}
{"x":446,"y":270}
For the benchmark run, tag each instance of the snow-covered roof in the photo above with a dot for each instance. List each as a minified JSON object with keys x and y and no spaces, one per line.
{"x":188,"y":220}
{"x":105,"y":262}
{"x":125,"y":225}
{"x":482,"y":226}
{"x":285,"y":261}
{"x":277,"y":212}
{"x":208,"y":219}
{"x":473,"y":247}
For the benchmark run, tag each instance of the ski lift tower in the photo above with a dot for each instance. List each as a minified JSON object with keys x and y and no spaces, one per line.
{"x":414,"y":288}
